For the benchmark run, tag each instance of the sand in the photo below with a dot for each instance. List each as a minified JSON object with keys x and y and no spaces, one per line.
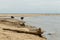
{"x":11,"y":35}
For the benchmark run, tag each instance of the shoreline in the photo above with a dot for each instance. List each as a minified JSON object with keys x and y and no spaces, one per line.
{"x":28,"y":15}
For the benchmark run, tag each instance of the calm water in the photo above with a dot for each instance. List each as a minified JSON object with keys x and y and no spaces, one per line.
{"x":51,"y":24}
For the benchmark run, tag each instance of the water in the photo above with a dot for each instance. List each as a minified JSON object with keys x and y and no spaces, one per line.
{"x":51,"y":24}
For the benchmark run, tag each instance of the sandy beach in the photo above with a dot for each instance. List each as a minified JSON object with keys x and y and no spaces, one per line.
{"x":11,"y":35}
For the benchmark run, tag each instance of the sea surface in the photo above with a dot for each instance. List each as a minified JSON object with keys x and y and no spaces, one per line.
{"x":50,"y":24}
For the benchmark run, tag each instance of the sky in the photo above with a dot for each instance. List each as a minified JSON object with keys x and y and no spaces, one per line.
{"x":29,"y":6}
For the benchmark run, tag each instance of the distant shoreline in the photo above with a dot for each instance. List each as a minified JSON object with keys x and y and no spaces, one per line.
{"x":28,"y":15}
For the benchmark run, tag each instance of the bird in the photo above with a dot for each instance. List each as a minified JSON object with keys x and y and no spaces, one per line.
{"x":12,"y":16}
{"x":22,"y":18}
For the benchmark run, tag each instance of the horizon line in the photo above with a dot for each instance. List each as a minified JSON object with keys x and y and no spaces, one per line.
{"x":27,"y":15}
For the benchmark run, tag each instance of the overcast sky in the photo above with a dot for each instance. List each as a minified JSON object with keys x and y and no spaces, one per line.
{"x":29,"y":6}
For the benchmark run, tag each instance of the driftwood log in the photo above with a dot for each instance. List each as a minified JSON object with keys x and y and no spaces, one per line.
{"x":27,"y":32}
